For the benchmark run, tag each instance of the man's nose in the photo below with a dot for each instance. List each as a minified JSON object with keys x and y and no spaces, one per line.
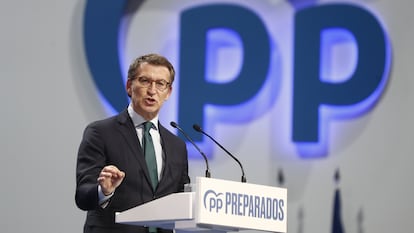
{"x":152,"y":87}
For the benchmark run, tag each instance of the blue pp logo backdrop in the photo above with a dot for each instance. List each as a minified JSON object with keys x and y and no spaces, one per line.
{"x":322,"y":89}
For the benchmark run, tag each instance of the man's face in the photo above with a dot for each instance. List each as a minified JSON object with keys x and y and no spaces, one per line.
{"x":147,"y":101}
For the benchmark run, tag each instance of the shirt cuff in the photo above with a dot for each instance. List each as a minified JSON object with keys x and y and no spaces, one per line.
{"x":103,"y":199}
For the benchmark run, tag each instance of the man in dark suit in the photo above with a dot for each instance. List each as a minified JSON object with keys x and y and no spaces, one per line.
{"x":112,"y":174}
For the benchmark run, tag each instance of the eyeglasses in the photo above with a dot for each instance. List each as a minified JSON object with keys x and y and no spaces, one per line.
{"x":160,"y":84}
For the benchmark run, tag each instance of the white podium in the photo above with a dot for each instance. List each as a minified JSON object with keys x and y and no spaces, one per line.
{"x":214,"y":205}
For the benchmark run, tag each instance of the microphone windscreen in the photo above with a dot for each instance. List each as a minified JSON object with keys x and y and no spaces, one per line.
{"x":197,"y":128}
{"x":173,"y":124}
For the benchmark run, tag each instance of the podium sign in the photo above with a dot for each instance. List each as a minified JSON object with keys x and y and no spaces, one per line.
{"x":229,"y":204}
{"x":214,"y":206}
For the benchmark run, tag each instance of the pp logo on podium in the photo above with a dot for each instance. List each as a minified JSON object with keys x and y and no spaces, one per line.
{"x":213,"y":201}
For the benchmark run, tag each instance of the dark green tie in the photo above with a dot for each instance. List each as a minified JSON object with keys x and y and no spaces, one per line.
{"x":149,"y":153}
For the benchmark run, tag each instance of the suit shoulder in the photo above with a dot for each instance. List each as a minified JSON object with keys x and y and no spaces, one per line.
{"x":103,"y":122}
{"x":121,"y":118}
{"x":170,"y":136}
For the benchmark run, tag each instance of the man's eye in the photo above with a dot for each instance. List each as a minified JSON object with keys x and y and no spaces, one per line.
{"x":144,"y":80}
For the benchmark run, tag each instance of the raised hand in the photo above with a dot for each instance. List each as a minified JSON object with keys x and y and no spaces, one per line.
{"x":110,"y":178}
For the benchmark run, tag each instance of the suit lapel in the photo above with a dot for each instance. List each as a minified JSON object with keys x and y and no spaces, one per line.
{"x":128,"y":131}
{"x":166,"y":152}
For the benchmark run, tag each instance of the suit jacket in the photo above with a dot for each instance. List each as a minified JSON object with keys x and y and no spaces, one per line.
{"x":113,"y":141}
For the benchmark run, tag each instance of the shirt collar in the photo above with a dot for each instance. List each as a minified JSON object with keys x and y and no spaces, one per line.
{"x":138,"y":120}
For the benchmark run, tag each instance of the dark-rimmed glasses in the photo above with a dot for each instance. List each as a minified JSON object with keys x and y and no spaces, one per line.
{"x":160,"y":84}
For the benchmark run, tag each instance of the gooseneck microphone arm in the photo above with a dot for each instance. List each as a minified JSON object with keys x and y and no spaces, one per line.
{"x":175,"y":125}
{"x":198,"y":129}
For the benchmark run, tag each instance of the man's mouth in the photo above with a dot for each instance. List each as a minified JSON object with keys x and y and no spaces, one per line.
{"x":150,"y":101}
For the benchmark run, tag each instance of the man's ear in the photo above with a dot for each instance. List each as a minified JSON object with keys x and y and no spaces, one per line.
{"x":128,"y":87}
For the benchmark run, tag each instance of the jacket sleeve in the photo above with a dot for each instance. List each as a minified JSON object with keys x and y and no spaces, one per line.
{"x":90,"y":161}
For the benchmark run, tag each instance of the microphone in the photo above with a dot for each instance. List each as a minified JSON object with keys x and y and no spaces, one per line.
{"x":175,"y":125}
{"x":198,"y":129}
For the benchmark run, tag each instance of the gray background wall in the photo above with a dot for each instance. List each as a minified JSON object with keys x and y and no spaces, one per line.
{"x":47,"y":98}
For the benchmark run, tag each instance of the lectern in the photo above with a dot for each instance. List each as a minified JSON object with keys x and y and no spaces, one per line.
{"x":214,"y":205}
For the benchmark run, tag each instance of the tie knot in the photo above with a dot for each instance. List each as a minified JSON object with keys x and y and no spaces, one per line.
{"x":147,"y":126}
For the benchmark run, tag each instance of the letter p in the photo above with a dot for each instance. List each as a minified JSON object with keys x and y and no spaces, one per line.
{"x":310,"y":91}
{"x":195,"y":91}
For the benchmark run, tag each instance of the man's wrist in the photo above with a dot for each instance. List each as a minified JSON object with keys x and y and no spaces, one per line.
{"x":103,"y":198}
